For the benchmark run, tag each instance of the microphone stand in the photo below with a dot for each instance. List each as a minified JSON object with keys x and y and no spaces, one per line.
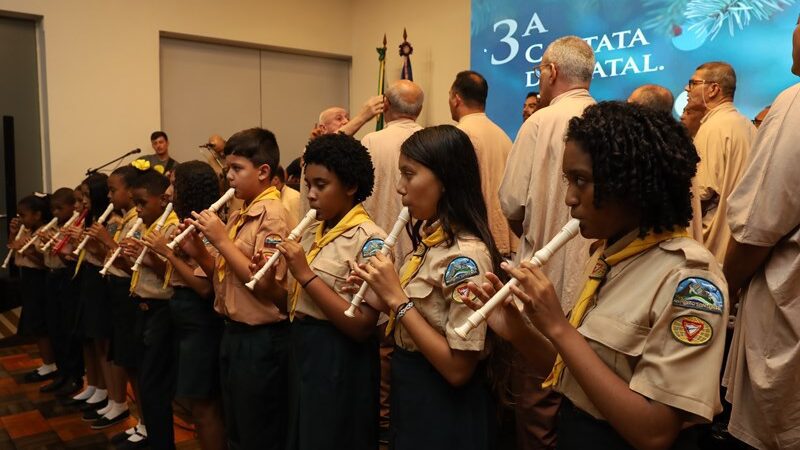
{"x":97,"y":169}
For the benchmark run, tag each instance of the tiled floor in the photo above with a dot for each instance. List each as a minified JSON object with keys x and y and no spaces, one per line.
{"x":32,"y":420}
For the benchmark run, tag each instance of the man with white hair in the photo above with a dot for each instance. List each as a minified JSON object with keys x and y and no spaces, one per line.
{"x":532,"y":197}
{"x":402,"y":105}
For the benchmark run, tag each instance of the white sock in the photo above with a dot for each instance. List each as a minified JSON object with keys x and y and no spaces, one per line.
{"x":115,"y":410}
{"x":45,"y":369}
{"x":140,"y":435}
{"x":98,"y":396}
{"x":102,"y":411}
{"x":86,"y":393}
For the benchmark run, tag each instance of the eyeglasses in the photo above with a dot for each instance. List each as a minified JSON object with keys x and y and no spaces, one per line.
{"x":537,"y":71}
{"x":692,"y":82}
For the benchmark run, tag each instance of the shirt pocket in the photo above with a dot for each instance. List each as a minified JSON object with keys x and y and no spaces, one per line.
{"x":333,"y":273}
{"x":418,"y":289}
{"x":617,"y":334}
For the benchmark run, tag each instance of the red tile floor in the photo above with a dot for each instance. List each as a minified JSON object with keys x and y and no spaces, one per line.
{"x":32,"y":420}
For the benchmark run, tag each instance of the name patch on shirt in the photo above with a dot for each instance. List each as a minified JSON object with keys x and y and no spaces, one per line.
{"x":700,"y":294}
{"x":459,"y":270}
{"x":691,"y":330}
{"x":371,"y":247}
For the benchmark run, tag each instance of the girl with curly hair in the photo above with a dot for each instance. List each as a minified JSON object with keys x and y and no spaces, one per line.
{"x":637,"y":359}
{"x":333,"y":370}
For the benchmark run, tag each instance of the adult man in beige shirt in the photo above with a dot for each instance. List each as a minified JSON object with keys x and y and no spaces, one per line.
{"x":764,"y":216}
{"x":401,"y":108}
{"x":532,"y":197}
{"x":723,"y":143}
{"x":492,"y":146}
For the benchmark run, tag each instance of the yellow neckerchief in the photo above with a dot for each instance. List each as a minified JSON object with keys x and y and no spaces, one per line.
{"x":353,"y":218}
{"x":130,"y":215}
{"x":415,"y":262}
{"x":172,"y":219}
{"x":588,"y":295}
{"x":270,"y":193}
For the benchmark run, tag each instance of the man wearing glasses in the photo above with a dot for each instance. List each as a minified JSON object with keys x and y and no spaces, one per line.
{"x":764,"y":258}
{"x":532,"y":198}
{"x":723,"y":143}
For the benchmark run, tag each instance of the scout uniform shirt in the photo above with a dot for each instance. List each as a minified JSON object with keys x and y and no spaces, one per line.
{"x":764,"y":360}
{"x":332,"y":263}
{"x":112,"y":226}
{"x":53,"y":261}
{"x":265,"y":219}
{"x":25,"y":260}
{"x":118,"y":227}
{"x":436,"y":288}
{"x":659,"y":323}
{"x":149,"y":284}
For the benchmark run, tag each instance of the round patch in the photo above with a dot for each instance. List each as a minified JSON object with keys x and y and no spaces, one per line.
{"x":461,"y":292}
{"x":691,"y":330}
{"x":272,"y":240}
{"x":700,"y":294}
{"x":459,"y":269}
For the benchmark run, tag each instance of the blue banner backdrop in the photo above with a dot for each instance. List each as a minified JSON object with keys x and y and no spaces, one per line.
{"x":635,"y":42}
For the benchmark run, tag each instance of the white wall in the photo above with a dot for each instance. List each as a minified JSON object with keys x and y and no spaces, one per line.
{"x":438,"y":30}
{"x":102,"y":58}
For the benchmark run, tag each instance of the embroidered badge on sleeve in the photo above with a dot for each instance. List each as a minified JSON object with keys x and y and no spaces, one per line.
{"x":691,"y":330}
{"x":459,"y":269}
{"x":461,"y":292}
{"x":272,"y":240}
{"x":700,"y":294}
{"x":371,"y":247}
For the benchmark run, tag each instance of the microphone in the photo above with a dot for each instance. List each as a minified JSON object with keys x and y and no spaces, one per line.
{"x":208,"y":146}
{"x":134,"y":151}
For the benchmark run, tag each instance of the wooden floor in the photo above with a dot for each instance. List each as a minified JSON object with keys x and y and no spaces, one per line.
{"x":32,"y":420}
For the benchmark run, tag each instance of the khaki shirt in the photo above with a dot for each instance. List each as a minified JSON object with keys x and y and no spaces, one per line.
{"x":52,"y":261}
{"x":178,"y":280}
{"x":151,"y":284}
{"x":25,"y":260}
{"x":723,"y":144}
{"x":764,"y":360}
{"x":492,"y":147}
{"x":433,"y":290}
{"x":332,"y":263}
{"x":643,"y":302}
{"x":385,"y":203}
{"x":113,"y":224}
{"x":267,"y":218}
{"x":533,"y":191}
{"x":291,"y":201}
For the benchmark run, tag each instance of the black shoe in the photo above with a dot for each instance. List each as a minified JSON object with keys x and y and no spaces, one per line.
{"x":91,"y":416}
{"x":94,"y":406}
{"x":104,"y":422}
{"x":53,"y":385}
{"x":34,"y":376}
{"x":70,"y":388}
{"x":122,"y":436}
{"x":129,"y":445}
